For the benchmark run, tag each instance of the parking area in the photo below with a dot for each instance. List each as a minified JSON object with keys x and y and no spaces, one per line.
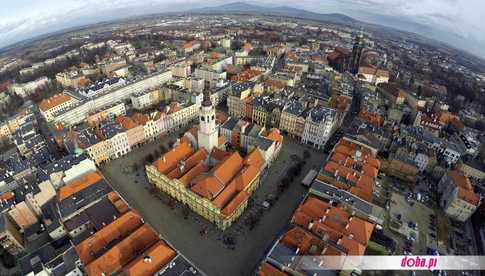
{"x":238,"y":250}
{"x":414,"y":223}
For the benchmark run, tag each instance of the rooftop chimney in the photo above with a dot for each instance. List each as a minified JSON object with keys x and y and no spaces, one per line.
{"x":147,"y":259}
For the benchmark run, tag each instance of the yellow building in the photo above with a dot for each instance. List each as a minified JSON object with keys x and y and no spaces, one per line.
{"x":473,"y":168}
{"x":237,"y":98}
{"x":215,"y":186}
{"x":292,"y":120}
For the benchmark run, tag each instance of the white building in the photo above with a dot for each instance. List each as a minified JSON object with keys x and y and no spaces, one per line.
{"x":146,"y":99}
{"x":373,"y":75}
{"x":210,"y":76}
{"x":181,"y":70}
{"x":119,"y":145}
{"x":55,"y":104}
{"x":421,"y":161}
{"x":80,"y":111}
{"x":25,"y":89}
{"x":458,"y":199}
{"x":319,"y":126}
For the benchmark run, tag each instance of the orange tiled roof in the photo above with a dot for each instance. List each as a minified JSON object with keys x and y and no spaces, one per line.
{"x":361,"y":193}
{"x":120,"y":228}
{"x":275,"y":135}
{"x":208,"y":187}
{"x":227,"y":168}
{"x":53,"y":101}
{"x":219,"y":154}
{"x":122,"y":253}
{"x":336,"y":218}
{"x":246,"y":176}
{"x":268,"y":270}
{"x":302,"y":239}
{"x":119,"y":204}
{"x":139,"y":118}
{"x":332,"y":251}
{"x":314,"y":207}
{"x":113,"y":196}
{"x":469,"y":196}
{"x":325,"y":232}
{"x":170,"y":159}
{"x":6,"y":196}
{"x":193,"y":173}
{"x":126,"y":122}
{"x":460,"y":180}
{"x":254,"y":158}
{"x":186,"y":45}
{"x":301,"y":218}
{"x":235,"y":202}
{"x":78,"y":184}
{"x":353,"y":247}
{"x":221,"y":117}
{"x":174,"y":107}
{"x":360,"y":229}
{"x":465,"y":188}
{"x":191,"y":162}
{"x":370,"y":170}
{"x":160,"y":254}
{"x":226,"y":195}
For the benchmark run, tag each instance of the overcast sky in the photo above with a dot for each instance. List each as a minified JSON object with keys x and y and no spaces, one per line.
{"x":459,"y":22}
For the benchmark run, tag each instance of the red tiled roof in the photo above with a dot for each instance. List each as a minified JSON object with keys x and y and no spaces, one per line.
{"x":336,"y":218}
{"x":193,"y":173}
{"x":360,"y":230}
{"x":78,"y":184}
{"x":126,"y":123}
{"x":151,"y":260}
{"x":235,"y":202}
{"x":227,"y":168}
{"x":123,"y":252}
{"x":170,"y":159}
{"x":208,"y":187}
{"x":219,"y":154}
{"x":188,"y":164}
{"x":226,"y":195}
{"x":53,"y":101}
{"x":139,"y":118}
{"x":254,"y":158}
{"x":465,"y":188}
{"x":120,"y":228}
{"x":353,"y":247}
{"x":268,"y":270}
{"x":275,"y":135}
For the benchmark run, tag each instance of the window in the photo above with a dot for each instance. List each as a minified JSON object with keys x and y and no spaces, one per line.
{"x":202,"y":118}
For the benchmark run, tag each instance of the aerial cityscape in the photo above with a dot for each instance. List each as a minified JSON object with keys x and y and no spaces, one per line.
{"x":240,"y":139}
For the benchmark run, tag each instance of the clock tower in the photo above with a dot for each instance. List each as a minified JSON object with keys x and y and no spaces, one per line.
{"x":208,"y":135}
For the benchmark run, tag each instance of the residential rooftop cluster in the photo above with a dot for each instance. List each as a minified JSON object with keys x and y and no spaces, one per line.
{"x":222,"y":118}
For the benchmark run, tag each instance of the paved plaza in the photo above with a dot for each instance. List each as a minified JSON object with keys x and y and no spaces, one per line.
{"x":198,"y":239}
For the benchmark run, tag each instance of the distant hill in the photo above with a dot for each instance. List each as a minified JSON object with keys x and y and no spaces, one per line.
{"x":241,"y":7}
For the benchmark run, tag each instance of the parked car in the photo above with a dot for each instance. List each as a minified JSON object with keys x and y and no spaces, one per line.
{"x":412,"y":225}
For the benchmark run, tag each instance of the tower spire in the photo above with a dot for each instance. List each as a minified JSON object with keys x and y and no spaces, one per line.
{"x":207,"y":98}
